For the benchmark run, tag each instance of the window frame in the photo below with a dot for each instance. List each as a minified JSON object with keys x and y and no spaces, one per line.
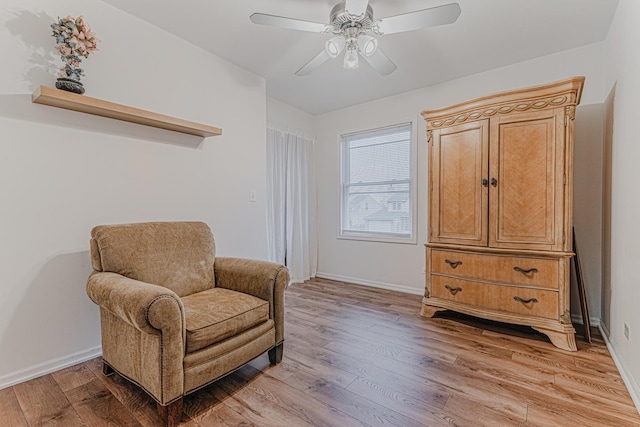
{"x":370,"y":236}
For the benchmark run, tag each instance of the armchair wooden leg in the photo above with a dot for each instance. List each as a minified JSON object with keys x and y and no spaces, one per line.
{"x":171,"y":414}
{"x":275,"y":354}
{"x":106,"y":369}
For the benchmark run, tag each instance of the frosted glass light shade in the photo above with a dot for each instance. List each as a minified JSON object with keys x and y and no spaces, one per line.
{"x":334,"y":46}
{"x":367,"y":45}
{"x":351,"y":59}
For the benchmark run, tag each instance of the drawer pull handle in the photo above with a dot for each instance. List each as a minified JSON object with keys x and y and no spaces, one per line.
{"x":453,"y":264}
{"x":523,"y":271}
{"x":453,"y":290}
{"x":525,"y":301}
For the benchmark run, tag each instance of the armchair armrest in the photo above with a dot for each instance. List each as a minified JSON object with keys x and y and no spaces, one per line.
{"x":145,"y":306}
{"x":154,"y":310}
{"x":264,"y":280}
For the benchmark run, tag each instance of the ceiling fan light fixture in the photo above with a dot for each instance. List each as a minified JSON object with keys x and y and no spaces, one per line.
{"x":334,"y":46}
{"x":367,"y":45}
{"x":351,"y":59}
{"x":351,"y":25}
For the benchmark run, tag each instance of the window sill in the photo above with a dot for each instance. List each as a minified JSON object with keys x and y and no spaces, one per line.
{"x":379,"y":239}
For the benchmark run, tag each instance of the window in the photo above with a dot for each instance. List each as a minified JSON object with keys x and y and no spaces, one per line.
{"x":377,"y":185}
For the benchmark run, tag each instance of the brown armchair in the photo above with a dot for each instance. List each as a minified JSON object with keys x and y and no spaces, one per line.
{"x":173,"y":316}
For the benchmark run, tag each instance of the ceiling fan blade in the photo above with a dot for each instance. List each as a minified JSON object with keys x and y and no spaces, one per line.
{"x":381,"y":63}
{"x":310,"y":66}
{"x":356,"y":7}
{"x":432,"y":17}
{"x":289,"y":23}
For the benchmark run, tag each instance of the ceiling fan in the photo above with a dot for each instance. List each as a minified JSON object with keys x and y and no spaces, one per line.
{"x":352,"y":23}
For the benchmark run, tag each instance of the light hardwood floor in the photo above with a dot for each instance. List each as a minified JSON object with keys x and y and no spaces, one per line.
{"x":357,"y":356}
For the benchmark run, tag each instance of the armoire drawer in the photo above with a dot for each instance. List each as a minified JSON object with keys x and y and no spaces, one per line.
{"x":497,"y":268}
{"x":513,"y":299}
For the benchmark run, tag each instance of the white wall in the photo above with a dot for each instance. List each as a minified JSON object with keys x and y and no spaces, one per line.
{"x":401,"y":266}
{"x":63,"y":172}
{"x":284,"y":116}
{"x":587,"y":206}
{"x":623,"y":70}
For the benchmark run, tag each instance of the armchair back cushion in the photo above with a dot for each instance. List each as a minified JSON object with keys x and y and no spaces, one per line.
{"x":177,"y":255}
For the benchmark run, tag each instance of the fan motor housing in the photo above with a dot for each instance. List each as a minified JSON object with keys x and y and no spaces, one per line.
{"x":340,"y":19}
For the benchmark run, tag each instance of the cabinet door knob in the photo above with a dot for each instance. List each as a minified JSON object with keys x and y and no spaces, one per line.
{"x":494,"y":182}
{"x":485,"y":182}
{"x":453,"y":264}
{"x":525,"y":301}
{"x":525,"y":272}
{"x":453,"y":290}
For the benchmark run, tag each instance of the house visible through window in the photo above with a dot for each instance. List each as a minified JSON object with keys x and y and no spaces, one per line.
{"x":377,"y":188}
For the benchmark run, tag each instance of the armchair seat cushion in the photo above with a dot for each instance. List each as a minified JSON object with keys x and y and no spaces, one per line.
{"x":217,"y":314}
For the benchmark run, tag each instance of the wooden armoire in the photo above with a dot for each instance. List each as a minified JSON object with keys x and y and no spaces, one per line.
{"x":501,"y":208}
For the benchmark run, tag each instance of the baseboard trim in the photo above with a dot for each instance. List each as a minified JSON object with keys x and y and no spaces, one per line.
{"x":381,"y":285}
{"x":47,"y":367}
{"x":629,"y":381}
{"x":604,"y":330}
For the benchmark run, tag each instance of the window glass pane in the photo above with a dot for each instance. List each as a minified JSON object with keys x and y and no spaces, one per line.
{"x":380,"y":162}
{"x":376,"y":183}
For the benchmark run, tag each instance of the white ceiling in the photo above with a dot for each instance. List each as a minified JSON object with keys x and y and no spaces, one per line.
{"x":489,"y":34}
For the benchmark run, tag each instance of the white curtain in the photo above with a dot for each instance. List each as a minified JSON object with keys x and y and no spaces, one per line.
{"x":291,"y":202}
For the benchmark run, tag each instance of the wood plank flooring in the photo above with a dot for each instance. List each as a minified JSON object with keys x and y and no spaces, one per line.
{"x":357,"y":356}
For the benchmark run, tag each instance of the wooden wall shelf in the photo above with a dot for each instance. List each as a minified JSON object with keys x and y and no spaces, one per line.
{"x":85,"y":104}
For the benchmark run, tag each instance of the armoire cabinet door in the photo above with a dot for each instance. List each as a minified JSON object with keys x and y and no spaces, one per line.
{"x":526,"y":179}
{"x":458,"y":201}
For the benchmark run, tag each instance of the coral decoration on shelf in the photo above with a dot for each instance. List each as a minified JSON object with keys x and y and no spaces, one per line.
{"x":74,"y":40}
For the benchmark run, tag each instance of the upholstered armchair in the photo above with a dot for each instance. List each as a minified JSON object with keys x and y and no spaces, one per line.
{"x":175,"y":318}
